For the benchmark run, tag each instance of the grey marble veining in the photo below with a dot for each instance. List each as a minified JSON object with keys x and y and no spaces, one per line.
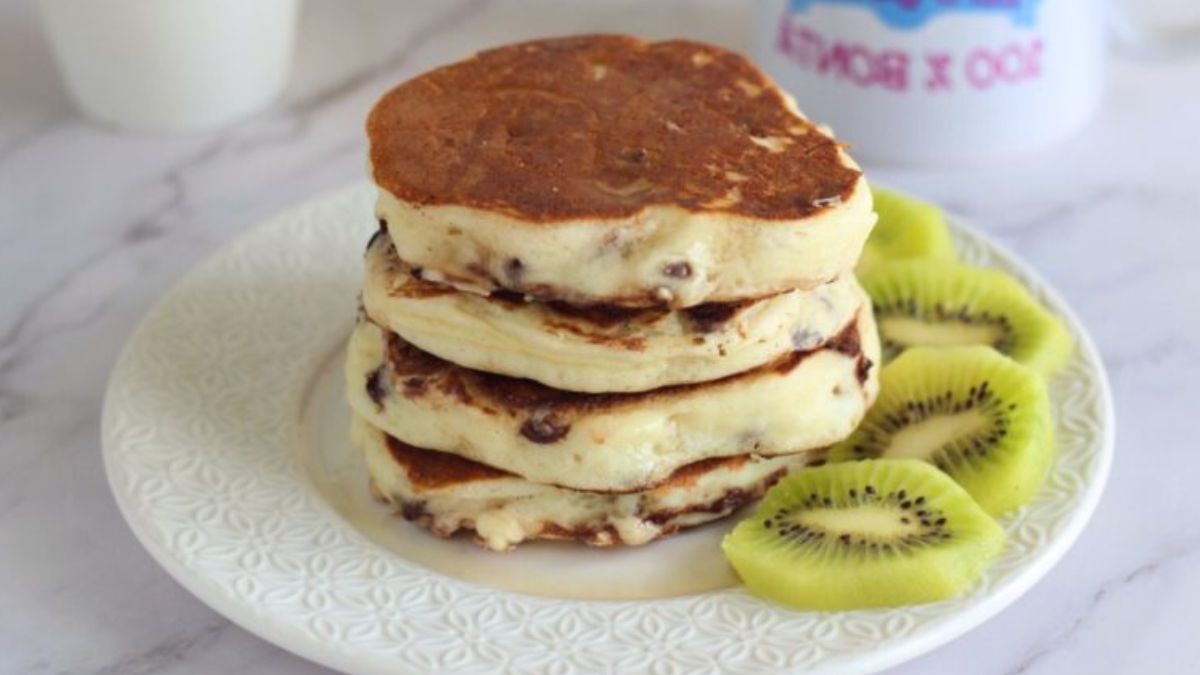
{"x":95,"y":226}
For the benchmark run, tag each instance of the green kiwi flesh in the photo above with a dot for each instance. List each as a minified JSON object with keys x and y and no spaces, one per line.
{"x":881,"y":533}
{"x":907,"y":228}
{"x":972,"y":412}
{"x":939,"y":303}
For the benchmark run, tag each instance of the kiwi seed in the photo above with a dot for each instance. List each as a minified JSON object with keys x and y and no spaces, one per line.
{"x":938,"y":304}
{"x":975,"y":414}
{"x":865,"y":534}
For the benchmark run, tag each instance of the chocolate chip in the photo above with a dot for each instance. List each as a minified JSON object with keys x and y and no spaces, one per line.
{"x":382,"y":224}
{"x":544,"y":429}
{"x":679,"y":270}
{"x":864,"y":369}
{"x":514,"y":269}
{"x":413,"y":510}
{"x":377,"y":385}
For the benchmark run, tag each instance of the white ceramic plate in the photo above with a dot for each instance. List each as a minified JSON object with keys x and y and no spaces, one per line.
{"x":225,"y":441}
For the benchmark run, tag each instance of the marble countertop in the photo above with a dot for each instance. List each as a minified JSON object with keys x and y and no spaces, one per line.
{"x":94,"y":226}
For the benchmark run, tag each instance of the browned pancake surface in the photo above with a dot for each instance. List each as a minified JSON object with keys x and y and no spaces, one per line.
{"x":549,"y":413}
{"x":703,"y":318}
{"x":418,"y":371}
{"x":433,"y":469}
{"x":603,"y":126}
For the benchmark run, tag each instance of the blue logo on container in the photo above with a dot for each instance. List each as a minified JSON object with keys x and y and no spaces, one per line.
{"x":909,"y":14}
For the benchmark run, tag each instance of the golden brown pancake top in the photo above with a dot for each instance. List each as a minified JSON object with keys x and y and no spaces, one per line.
{"x":603,"y":126}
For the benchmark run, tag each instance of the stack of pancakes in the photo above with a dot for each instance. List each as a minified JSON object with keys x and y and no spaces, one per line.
{"x":611,"y":295}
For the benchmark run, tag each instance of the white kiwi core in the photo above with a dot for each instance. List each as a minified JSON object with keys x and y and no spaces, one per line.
{"x":876,"y":522}
{"x":923,"y":439}
{"x":912,"y":332}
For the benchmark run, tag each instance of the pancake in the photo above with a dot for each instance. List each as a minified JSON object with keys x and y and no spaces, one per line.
{"x":448,"y":494}
{"x":612,"y":442}
{"x":606,"y":169}
{"x":599,"y":349}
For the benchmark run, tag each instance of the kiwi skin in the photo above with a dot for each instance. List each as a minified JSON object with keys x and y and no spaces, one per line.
{"x":951,"y":297}
{"x":906,"y":228}
{"x":833,"y":538}
{"x":1000,"y":458}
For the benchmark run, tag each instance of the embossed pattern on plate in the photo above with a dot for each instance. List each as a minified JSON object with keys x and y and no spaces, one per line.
{"x":197,"y":426}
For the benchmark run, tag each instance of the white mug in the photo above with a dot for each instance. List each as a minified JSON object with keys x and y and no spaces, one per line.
{"x":171,"y":65}
{"x":938,"y":81}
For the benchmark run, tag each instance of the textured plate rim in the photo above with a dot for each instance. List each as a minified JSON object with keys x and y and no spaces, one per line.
{"x":285,"y":635}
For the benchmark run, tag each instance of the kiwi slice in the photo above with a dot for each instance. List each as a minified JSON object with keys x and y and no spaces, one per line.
{"x":880,"y":533}
{"x":939,"y":303}
{"x":972,"y":412}
{"x":907,"y":228}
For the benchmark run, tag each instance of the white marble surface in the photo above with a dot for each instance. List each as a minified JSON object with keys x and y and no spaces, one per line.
{"x":94,"y":226}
